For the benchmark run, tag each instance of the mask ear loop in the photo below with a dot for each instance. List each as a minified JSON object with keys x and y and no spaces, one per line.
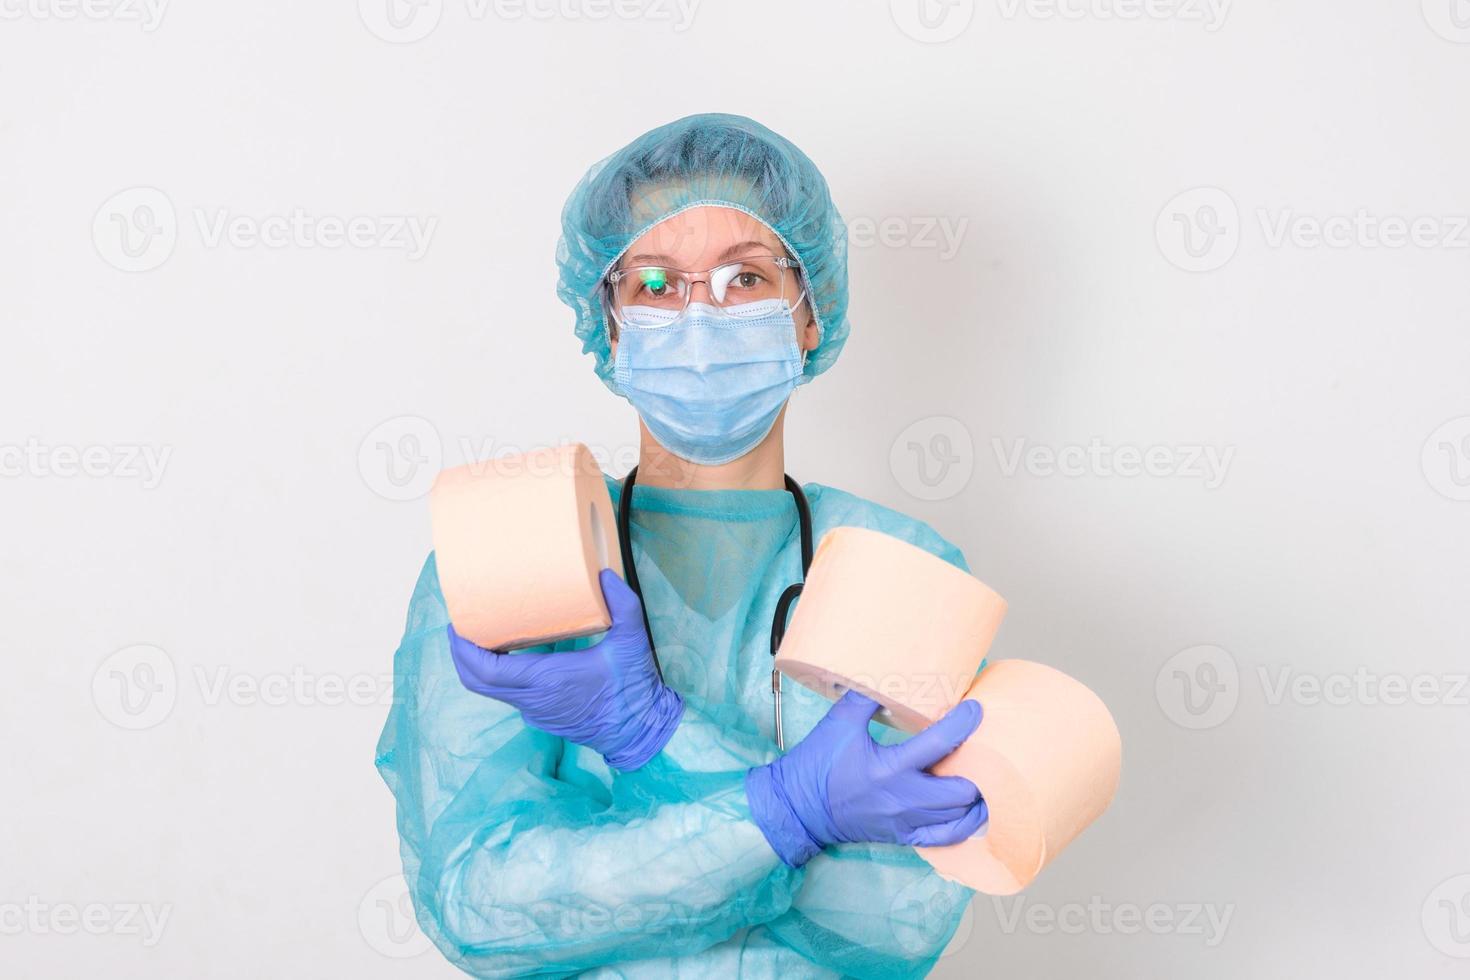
{"x":803,"y":297}
{"x":609,"y":314}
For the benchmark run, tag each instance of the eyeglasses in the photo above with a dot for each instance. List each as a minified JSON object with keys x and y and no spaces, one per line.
{"x":655,"y":296}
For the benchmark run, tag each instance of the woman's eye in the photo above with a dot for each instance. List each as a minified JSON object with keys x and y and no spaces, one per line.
{"x":748,"y":280}
{"x":654,"y":283}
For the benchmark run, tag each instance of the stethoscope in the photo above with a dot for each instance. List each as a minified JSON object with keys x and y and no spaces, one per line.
{"x":783,"y":604}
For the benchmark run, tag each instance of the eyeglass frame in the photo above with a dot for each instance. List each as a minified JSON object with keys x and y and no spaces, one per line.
{"x":783,"y":262}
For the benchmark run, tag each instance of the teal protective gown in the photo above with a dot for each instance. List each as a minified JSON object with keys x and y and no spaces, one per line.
{"x":526,"y":856}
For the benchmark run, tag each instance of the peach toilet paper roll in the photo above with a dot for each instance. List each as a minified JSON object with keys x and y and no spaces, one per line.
{"x":908,"y":629}
{"x":1047,"y":757}
{"x":890,"y":620}
{"x":519,"y":542}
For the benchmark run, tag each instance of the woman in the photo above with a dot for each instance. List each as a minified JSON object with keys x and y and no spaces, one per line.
{"x":604,"y":808}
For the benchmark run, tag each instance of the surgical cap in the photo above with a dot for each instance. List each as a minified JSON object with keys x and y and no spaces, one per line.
{"x":708,"y":159}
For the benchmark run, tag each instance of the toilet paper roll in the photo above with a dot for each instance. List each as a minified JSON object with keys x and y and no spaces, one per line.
{"x":519,"y":542}
{"x":1046,"y":757}
{"x":890,"y":620}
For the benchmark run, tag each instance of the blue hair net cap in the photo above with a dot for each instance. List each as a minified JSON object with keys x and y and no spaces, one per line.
{"x":707,"y":159}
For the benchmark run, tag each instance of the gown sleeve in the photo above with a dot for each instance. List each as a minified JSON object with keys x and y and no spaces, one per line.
{"x":525,"y":855}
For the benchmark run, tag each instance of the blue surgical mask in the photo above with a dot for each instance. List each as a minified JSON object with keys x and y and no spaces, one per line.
{"x":708,"y":384}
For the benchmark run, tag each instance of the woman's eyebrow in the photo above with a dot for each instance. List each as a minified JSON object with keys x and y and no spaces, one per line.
{"x":648,"y":257}
{"x":740,"y":247}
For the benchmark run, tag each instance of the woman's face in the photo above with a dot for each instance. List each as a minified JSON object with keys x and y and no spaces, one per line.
{"x":705,"y":237}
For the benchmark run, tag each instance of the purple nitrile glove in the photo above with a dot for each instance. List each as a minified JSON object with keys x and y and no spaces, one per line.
{"x":838,"y":786}
{"x":607,"y":697}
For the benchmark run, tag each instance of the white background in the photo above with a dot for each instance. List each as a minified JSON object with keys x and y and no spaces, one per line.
{"x":292,"y":385}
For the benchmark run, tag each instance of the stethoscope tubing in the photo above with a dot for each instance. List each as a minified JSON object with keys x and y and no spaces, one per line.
{"x":783,"y":604}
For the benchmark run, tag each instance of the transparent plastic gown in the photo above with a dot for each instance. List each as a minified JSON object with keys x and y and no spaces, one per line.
{"x":526,"y":856}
